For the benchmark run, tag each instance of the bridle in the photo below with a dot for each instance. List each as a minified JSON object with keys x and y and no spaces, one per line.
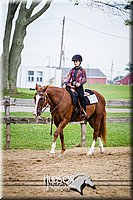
{"x":47,"y":97}
{"x":59,"y":102}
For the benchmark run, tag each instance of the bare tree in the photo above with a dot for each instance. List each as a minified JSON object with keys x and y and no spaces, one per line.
{"x":114,"y":7}
{"x":13,"y":46}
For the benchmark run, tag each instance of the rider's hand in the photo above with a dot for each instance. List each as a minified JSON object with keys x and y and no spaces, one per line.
{"x":69,"y":84}
{"x":77,"y":84}
{"x":64,"y":86}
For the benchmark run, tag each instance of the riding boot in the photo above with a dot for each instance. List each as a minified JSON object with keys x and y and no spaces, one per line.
{"x":83,"y":111}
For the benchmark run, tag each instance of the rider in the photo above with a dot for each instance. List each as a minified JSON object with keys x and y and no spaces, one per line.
{"x":77,"y":78}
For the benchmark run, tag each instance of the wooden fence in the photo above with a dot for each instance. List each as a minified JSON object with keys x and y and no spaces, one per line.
{"x":30,"y":120}
{"x":30,"y":102}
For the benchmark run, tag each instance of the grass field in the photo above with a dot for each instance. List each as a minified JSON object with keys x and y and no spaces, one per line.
{"x":47,"y":114}
{"x":38,"y":136}
{"x":112,"y":91}
{"x":121,"y":92}
{"x":24,"y":136}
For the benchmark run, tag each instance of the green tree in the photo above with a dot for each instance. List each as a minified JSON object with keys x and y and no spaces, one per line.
{"x":117,"y":78}
{"x":130,"y":67}
{"x":13,"y":45}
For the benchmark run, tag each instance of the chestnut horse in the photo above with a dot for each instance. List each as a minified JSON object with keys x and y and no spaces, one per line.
{"x":62,"y":109}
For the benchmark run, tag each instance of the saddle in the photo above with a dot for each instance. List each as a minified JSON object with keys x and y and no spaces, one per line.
{"x":90,"y":98}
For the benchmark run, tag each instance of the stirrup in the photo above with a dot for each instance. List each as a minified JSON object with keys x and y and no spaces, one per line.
{"x":83,"y":114}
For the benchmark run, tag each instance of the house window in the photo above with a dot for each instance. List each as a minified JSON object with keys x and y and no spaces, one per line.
{"x":30,"y":76}
{"x":39,"y":75}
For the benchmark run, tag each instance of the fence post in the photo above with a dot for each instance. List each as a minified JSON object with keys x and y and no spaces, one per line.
{"x":7,"y":114}
{"x":83,"y":133}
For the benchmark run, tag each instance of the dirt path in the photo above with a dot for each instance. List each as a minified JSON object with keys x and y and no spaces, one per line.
{"x":25,"y":169}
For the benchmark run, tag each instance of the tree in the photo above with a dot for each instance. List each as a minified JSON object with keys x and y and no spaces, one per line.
{"x":13,"y":42}
{"x":117,"y":78}
{"x":120,"y":8}
{"x":13,"y":45}
{"x":130,"y":67}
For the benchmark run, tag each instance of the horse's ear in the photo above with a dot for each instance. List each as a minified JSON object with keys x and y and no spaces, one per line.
{"x":37,"y":86}
{"x":44,"y":88}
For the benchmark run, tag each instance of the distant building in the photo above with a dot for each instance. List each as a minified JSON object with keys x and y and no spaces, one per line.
{"x":28,"y":76}
{"x":126,"y":80}
{"x":94,"y":76}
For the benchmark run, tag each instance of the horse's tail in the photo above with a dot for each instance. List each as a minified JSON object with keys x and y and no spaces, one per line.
{"x":102,"y":130}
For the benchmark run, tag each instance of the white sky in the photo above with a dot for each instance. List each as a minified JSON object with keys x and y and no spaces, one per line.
{"x":43,"y":39}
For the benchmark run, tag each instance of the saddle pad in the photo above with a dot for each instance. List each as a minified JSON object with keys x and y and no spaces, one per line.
{"x":91,"y":98}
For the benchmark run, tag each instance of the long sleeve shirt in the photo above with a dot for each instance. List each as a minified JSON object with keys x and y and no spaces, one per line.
{"x":76,"y":74}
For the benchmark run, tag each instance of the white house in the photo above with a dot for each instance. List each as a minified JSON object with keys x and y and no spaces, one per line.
{"x":28,"y":76}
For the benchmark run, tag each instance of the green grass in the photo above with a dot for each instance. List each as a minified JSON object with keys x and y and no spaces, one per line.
{"x":26,"y":114}
{"x":23,"y":93}
{"x":38,"y":137}
{"x":119,"y":114}
{"x":123,"y":107}
{"x":47,"y":114}
{"x":122,"y":92}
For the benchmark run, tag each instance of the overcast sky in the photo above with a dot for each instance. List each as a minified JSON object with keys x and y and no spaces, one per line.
{"x":99,"y":38}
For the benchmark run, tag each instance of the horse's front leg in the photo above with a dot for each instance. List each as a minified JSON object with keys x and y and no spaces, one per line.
{"x":61,"y":125}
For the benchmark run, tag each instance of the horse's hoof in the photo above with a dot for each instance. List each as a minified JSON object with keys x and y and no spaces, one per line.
{"x":62,"y":152}
{"x":59,"y":155}
{"x":89,"y":153}
{"x":102,"y":151}
{"x":52,"y":155}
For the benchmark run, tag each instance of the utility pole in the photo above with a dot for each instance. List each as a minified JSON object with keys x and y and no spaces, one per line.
{"x":62,"y":39}
{"x":112,"y":65}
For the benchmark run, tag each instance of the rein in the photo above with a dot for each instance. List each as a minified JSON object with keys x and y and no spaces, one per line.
{"x":58,"y":103}
{"x":53,"y":110}
{"x":45,"y":108}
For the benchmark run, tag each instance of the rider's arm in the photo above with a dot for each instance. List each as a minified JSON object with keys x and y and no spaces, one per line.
{"x":68,"y":78}
{"x":82,"y":78}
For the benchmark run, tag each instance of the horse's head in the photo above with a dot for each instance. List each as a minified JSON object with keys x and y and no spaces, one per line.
{"x":41,"y":99}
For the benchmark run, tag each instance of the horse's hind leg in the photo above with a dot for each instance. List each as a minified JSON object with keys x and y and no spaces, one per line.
{"x":102,"y":132}
{"x":95,"y":124}
{"x":62,"y":142}
{"x":100,"y":144}
{"x":91,"y":150}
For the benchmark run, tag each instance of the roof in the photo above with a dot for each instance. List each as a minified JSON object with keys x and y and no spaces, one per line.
{"x":91,"y":72}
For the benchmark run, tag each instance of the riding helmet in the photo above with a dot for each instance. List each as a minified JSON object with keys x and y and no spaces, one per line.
{"x":77,"y":57}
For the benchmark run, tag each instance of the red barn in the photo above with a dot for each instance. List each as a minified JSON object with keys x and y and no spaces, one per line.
{"x":94,"y":75}
{"x":126,"y":80}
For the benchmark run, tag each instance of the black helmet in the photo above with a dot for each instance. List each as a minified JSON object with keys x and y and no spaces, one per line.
{"x":77,"y":57}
